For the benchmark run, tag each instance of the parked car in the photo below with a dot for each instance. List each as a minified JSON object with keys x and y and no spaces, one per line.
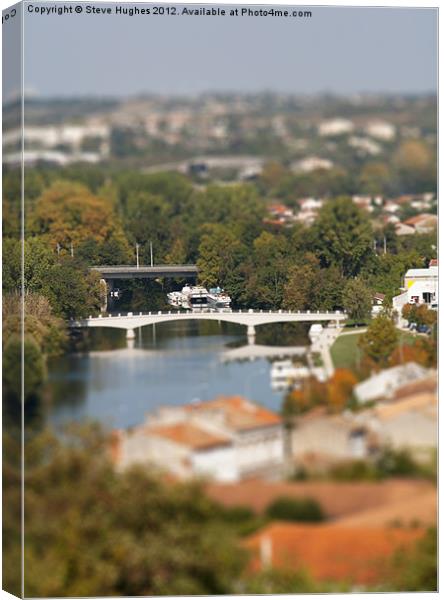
{"x":413,"y":326}
{"x":423,"y":329}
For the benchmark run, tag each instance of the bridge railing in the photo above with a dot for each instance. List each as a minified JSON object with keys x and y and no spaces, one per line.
{"x":250,"y":311}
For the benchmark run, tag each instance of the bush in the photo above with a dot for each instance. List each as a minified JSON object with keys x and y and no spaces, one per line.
{"x":295,"y":509}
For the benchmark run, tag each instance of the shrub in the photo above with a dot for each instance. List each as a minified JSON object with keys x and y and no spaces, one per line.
{"x":295,"y":509}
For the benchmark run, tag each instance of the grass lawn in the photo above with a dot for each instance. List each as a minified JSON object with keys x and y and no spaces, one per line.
{"x":345,"y":353}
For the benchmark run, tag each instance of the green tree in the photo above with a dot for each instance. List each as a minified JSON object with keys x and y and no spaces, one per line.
{"x":357,"y":300}
{"x":33,"y":364}
{"x":287,"y":508}
{"x":220,"y":256}
{"x":267,"y":271}
{"x":343,"y":236}
{"x":374,"y":178}
{"x":72,"y":290}
{"x":379,"y":341}
{"x":91,"y":530}
{"x":309,"y":287}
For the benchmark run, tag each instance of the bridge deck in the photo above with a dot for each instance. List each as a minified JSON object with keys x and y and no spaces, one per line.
{"x":248,"y":318}
{"x":146,"y":272}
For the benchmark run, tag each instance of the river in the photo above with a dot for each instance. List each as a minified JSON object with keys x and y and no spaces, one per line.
{"x":172,"y":364}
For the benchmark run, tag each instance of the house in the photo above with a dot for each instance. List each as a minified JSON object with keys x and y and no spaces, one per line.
{"x":311,"y":163}
{"x":319,"y":440}
{"x":403,"y":229}
{"x":225,"y":439}
{"x":364,"y":146}
{"x":330,"y":552}
{"x":410,"y":421}
{"x":381,"y":130}
{"x":420,"y":287}
{"x":310,"y":204}
{"x":334,"y":127}
{"x":378,"y":303}
{"x":383,"y":385}
{"x":424,"y":223}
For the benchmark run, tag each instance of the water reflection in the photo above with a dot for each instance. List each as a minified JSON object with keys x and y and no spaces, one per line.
{"x":173,"y":363}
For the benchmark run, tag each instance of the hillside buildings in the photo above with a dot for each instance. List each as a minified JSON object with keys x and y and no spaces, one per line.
{"x":420,"y":287}
{"x":226,"y":439}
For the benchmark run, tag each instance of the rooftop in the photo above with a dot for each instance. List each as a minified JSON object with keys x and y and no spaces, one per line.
{"x":238,"y":413}
{"x":331,"y":552}
{"x":187,"y":434}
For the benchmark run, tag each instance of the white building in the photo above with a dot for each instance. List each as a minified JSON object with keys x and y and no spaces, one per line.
{"x":333,"y":127}
{"x":383,"y":385}
{"x":381,"y":130}
{"x":311,"y":163}
{"x":225,"y":439}
{"x":420,"y":287}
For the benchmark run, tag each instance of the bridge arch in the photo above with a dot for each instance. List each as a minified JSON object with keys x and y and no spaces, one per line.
{"x":250,"y":319}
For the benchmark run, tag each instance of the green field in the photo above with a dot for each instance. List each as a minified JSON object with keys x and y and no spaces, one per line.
{"x":346,"y":354}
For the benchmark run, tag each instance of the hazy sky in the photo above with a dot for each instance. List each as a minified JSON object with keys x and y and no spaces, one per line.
{"x":339,"y":50}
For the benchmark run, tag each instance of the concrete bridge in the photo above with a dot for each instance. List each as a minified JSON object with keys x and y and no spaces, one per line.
{"x":249,"y":318}
{"x":145,"y":272}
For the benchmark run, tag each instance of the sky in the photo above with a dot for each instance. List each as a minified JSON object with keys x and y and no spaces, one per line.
{"x":339,"y":50}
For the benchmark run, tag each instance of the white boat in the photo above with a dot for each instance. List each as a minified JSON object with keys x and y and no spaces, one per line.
{"x":218,"y":299}
{"x":175,"y":299}
{"x":195,"y":297}
{"x":285,"y":374}
{"x":198,"y":298}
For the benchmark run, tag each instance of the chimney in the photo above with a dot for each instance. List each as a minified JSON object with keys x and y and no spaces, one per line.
{"x":266,"y":551}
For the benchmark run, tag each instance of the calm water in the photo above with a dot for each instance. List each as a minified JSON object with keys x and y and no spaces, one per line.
{"x":174,"y":364}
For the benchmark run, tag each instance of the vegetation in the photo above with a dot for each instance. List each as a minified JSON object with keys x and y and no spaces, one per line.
{"x":417,"y":569}
{"x":295,"y":509}
{"x":387,"y":463}
{"x":379,"y":341}
{"x":357,"y":301}
{"x":334,"y":395}
{"x":91,"y":531}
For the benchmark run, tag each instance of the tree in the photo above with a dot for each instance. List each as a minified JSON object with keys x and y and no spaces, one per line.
{"x":357,"y":300}
{"x":374,"y":178}
{"x":148,"y":219}
{"x":93,"y":531}
{"x":379,"y":341}
{"x":416,"y":164}
{"x":73,"y":290}
{"x":340,"y":389}
{"x":419,"y":314}
{"x":309,"y":287}
{"x":343,"y":236}
{"x":68,"y":213}
{"x":220,"y":255}
{"x":33,"y":363}
{"x":267,"y":271}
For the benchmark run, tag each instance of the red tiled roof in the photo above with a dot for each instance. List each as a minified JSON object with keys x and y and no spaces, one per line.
{"x":278,"y":208}
{"x":420,"y":219}
{"x":332,"y":552}
{"x":240,"y":414}
{"x":187,"y":434}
